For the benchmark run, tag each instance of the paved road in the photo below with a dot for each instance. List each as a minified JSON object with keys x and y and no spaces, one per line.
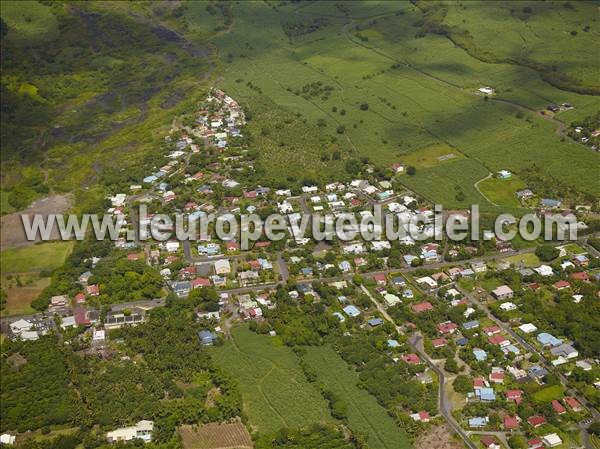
{"x":532,"y":349}
{"x":415,"y":341}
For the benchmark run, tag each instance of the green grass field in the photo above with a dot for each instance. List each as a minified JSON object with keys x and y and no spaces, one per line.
{"x":275,"y":392}
{"x":502,"y":191}
{"x":32,"y":21}
{"x":38,"y":257}
{"x":365,"y":415}
{"x":420,"y":92}
{"x":548,"y":394}
{"x":528,"y":260}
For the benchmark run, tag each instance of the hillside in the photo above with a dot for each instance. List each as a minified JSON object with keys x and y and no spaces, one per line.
{"x":85,"y":85}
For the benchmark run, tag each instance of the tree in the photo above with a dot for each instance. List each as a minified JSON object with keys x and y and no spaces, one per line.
{"x":594,"y":428}
{"x":547,"y":253}
{"x":451,"y":366}
{"x":364,"y":106}
{"x":462,"y":384}
{"x":410,"y":170}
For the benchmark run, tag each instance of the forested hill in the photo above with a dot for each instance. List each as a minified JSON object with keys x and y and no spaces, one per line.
{"x":85,"y":84}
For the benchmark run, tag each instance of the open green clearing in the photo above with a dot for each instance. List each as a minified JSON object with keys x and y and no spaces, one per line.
{"x":274,"y":390}
{"x":365,"y":416}
{"x":502,"y":191}
{"x":38,"y":257}
{"x":548,"y":394}
{"x":528,"y":260}
{"x":86,"y":84}
{"x":420,"y":92}
{"x":32,"y":21}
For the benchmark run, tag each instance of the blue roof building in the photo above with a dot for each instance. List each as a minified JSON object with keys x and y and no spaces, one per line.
{"x":351,"y":311}
{"x":373,"y":322}
{"x":471,"y":325}
{"x":207,"y":338}
{"x":547,"y":202}
{"x":478,"y":421}
{"x":307,"y":271}
{"x":480,"y":355}
{"x":485,"y":394}
{"x":339,"y":316}
{"x":546,"y":339}
{"x":537,"y":371}
{"x":392,"y":344}
{"x":462,"y":341}
{"x":344,"y":265}
{"x":399,"y":281}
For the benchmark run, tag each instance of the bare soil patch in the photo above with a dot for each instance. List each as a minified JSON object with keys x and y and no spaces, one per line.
{"x":439,"y":437}
{"x":12,"y":234}
{"x":230,"y":435}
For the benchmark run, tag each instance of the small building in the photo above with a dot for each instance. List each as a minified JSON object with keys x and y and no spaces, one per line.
{"x":502,"y":292}
{"x":207,"y":338}
{"x":142,"y":430}
{"x":551,"y":440}
{"x":351,"y":311}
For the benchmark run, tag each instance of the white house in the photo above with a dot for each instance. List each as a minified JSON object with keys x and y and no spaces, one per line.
{"x":551,"y":440}
{"x":7,"y":438}
{"x":544,"y":270}
{"x":142,"y":430}
{"x":222,"y":266}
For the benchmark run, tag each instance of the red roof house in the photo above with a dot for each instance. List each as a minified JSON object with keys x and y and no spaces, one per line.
{"x":492,"y":330}
{"x":511,"y":422}
{"x":536,"y":443}
{"x":380,"y":279}
{"x":411,"y":359}
{"x":93,"y":290}
{"x":574,"y":404}
{"x":447,"y":328}
{"x":561,"y":285}
{"x":514,"y":395}
{"x":200,"y":282}
{"x":499,"y":340}
{"x":421,"y":307}
{"x":558,"y":407}
{"x":439,"y":342}
{"x":580,"y":276}
{"x":536,"y":421}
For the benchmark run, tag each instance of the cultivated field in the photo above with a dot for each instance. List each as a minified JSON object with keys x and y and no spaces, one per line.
{"x":35,"y":258}
{"x":365,"y":416}
{"x":359,"y":75}
{"x":502,"y":191}
{"x":275,"y":392}
{"x":216,"y":436}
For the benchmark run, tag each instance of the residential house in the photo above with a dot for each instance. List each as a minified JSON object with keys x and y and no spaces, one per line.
{"x":502,"y":292}
{"x":142,"y":430}
{"x":222,"y":267}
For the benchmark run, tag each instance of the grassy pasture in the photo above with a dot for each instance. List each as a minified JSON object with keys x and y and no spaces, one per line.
{"x":548,"y":394}
{"x":38,"y":257}
{"x":365,"y":415}
{"x":502,"y":191}
{"x":18,"y":298}
{"x":275,"y":392}
{"x":29,"y":22}
{"x":432,"y":156}
{"x":528,"y":260}
{"x":420,"y":92}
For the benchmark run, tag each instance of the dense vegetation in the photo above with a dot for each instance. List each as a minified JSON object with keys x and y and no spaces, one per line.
{"x":161,"y":373}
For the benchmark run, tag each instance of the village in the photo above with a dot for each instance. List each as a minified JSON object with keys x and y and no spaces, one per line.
{"x":462,"y":316}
